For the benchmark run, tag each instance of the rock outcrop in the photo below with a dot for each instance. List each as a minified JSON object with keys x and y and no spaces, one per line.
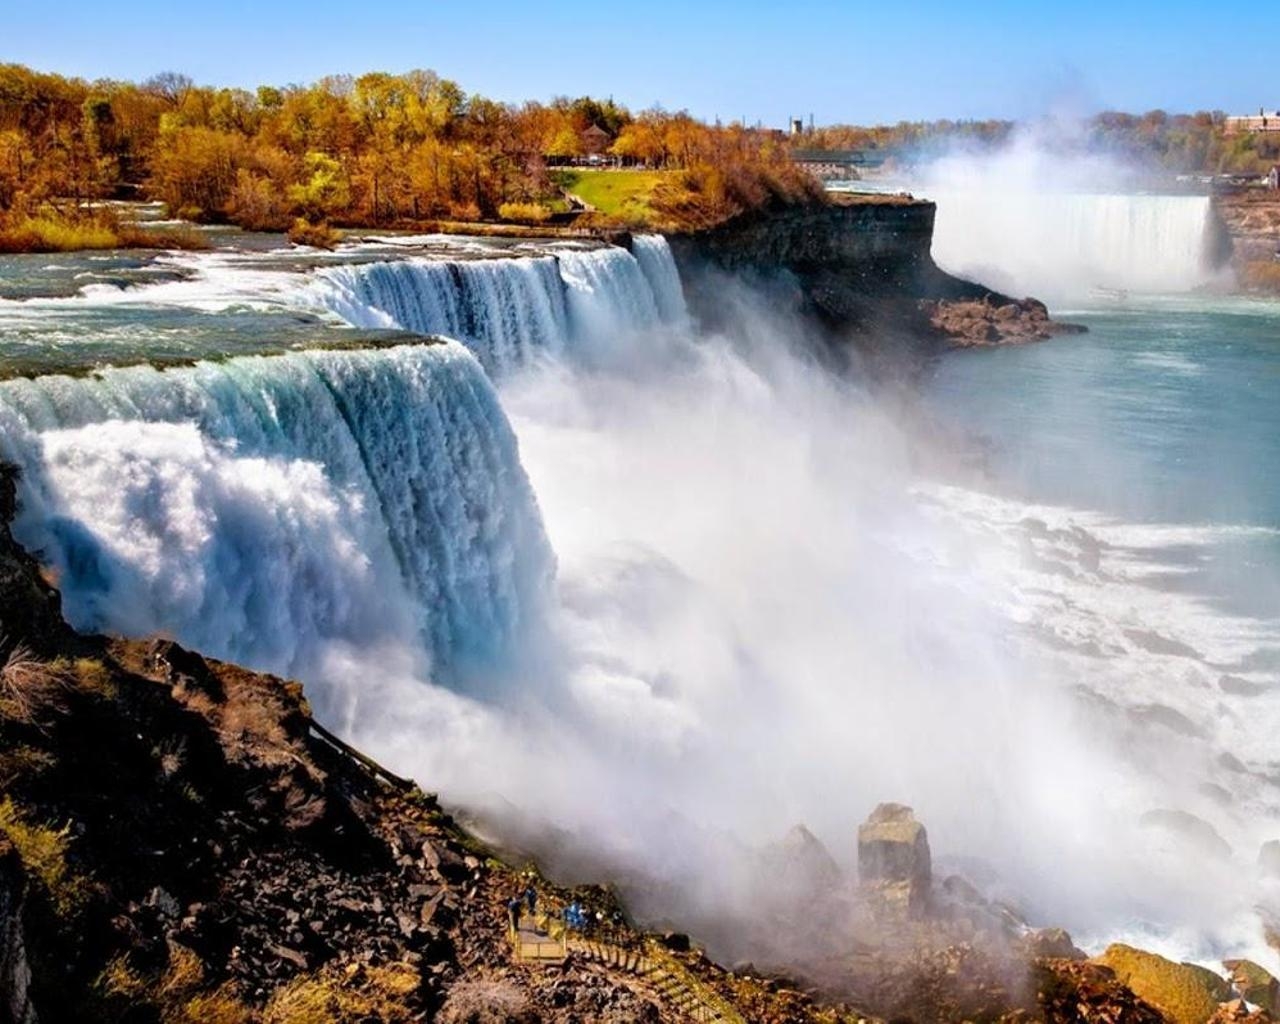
{"x":1184,"y":993}
{"x":860,"y":270}
{"x":1255,"y":984}
{"x":894,"y":865}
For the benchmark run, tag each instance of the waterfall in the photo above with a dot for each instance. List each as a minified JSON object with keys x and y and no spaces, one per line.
{"x":507,"y":310}
{"x":1063,"y":245}
{"x":272,"y":510}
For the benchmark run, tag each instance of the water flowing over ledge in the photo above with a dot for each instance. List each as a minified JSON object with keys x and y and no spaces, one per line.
{"x":267,"y":509}
{"x":509,"y":310}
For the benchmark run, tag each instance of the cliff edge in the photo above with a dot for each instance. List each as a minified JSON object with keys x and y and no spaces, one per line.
{"x":859,"y":268}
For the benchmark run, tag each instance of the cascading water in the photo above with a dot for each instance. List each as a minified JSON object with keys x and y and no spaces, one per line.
{"x":508,"y":310}
{"x":267,"y":508}
{"x":1063,"y":245}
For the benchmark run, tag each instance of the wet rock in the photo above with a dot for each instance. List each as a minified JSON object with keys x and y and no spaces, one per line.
{"x":15,"y":972}
{"x":677,"y":942}
{"x":1236,"y":1012}
{"x":1255,"y":983}
{"x":894,"y":847}
{"x":1184,"y":993}
{"x":1191,"y":831}
{"x":1054,"y":943}
{"x":1088,"y":993}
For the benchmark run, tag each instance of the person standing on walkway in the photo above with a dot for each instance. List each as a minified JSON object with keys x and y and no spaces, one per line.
{"x":514,"y":906}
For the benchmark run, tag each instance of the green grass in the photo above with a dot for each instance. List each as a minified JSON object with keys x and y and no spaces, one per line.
{"x":619,"y":195}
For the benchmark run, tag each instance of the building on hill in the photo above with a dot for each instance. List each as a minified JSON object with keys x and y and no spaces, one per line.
{"x":595,"y":141}
{"x":1247,"y":124}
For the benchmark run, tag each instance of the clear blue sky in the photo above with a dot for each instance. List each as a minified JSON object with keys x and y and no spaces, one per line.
{"x":857,"y":62}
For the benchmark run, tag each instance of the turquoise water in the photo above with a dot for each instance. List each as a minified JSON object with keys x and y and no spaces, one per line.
{"x":1166,"y":412}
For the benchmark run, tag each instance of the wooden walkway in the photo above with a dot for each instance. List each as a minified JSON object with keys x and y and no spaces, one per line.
{"x":546,"y":941}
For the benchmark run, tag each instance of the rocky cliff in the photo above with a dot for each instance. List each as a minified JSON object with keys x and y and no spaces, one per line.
{"x":1251,"y":221}
{"x":860,"y":269}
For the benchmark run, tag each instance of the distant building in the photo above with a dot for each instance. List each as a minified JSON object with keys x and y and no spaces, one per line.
{"x":829,"y":164}
{"x":797,"y":126}
{"x":1251,"y":124}
{"x":595,"y":140}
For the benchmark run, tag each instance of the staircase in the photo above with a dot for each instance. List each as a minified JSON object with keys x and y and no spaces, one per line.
{"x":548,"y":942}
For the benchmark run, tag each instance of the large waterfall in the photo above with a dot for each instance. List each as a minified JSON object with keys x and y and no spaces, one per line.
{"x":508,"y":309}
{"x":1064,"y":245}
{"x":266,"y":509}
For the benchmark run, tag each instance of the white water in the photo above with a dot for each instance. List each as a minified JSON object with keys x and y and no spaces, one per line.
{"x":266,"y":509}
{"x":1060,"y":245}
{"x":508,"y":311}
{"x":761,"y":615}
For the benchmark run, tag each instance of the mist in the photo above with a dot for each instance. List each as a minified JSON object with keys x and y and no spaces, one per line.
{"x":1044,"y":215}
{"x":779,"y":602}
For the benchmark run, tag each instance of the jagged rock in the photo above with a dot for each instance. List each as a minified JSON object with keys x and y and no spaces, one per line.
{"x":1054,"y":943}
{"x":894,"y":864}
{"x":1190,"y":830}
{"x":799,"y":869}
{"x":1185,"y":993}
{"x":1254,"y":983}
{"x":15,"y":972}
{"x":1236,"y":1012}
{"x":894,"y":847}
{"x":1082,"y":992}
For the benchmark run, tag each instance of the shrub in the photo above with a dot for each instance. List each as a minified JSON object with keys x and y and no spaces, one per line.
{"x":332,"y":996}
{"x":525,"y":213}
{"x":43,"y":850}
{"x":318,"y":236}
{"x":29,"y":686}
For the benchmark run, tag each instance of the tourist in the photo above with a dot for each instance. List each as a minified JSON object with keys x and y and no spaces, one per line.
{"x":531,"y":897}
{"x":514,"y":906}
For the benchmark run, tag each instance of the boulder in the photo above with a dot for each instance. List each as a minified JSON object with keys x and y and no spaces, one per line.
{"x":1053,"y":943}
{"x":1256,"y":984}
{"x":893,"y":858}
{"x":1185,"y":993}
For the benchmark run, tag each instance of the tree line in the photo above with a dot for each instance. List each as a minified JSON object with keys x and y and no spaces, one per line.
{"x":1196,"y":143}
{"x":374,"y":149}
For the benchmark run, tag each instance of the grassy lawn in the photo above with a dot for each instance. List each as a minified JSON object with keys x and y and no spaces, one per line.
{"x":619,"y":195}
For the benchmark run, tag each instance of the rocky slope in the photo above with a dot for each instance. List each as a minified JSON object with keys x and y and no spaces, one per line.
{"x":181,"y":842}
{"x":860,"y":268}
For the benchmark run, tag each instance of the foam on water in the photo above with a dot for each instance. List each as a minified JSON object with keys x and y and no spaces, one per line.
{"x":267,"y":508}
{"x":587,"y":300}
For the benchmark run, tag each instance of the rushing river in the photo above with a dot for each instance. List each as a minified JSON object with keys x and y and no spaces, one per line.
{"x":671,"y":593}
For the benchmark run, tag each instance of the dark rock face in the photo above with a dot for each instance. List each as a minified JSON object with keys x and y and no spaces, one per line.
{"x":15,"y":972}
{"x":860,"y":271}
{"x":30,"y":609}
